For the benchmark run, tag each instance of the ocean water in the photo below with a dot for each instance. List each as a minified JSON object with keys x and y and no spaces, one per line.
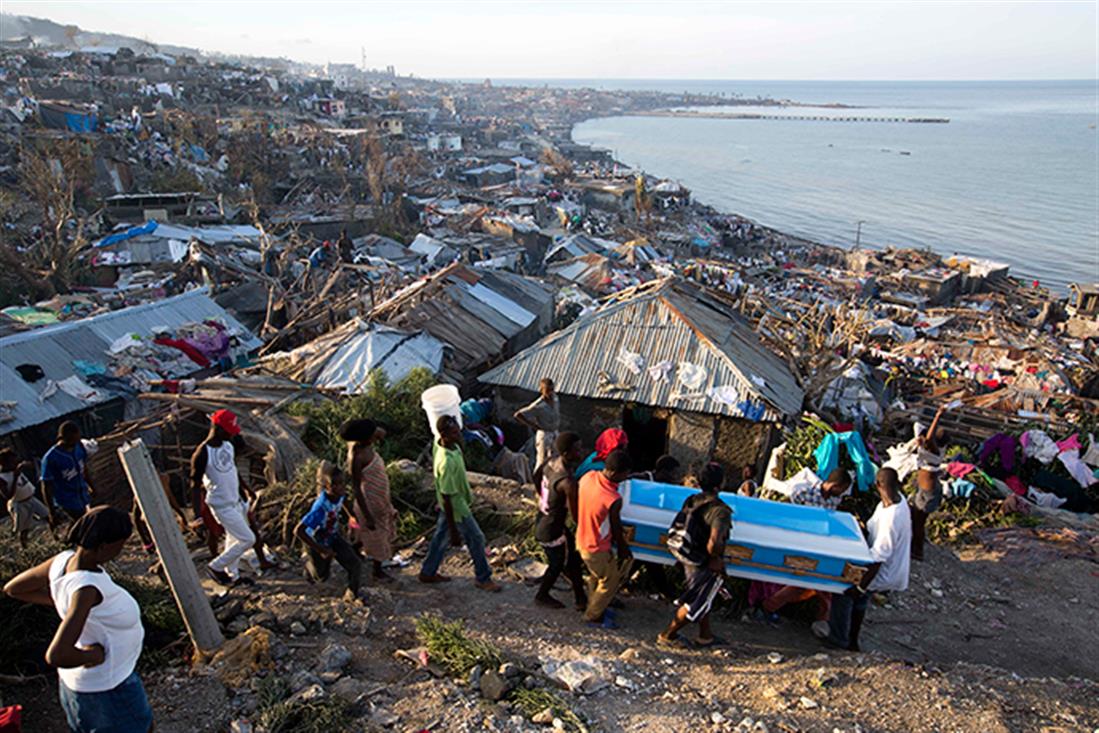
{"x":1013,"y":177}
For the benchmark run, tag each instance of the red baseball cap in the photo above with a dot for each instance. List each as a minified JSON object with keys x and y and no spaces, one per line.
{"x":227,"y":421}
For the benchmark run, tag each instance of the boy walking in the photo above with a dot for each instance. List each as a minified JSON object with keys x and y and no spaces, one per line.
{"x":319,"y":531}
{"x":64,"y":476}
{"x":456,"y":521}
{"x":598,"y":529}
{"x":702,"y":526}
{"x":557,"y":500}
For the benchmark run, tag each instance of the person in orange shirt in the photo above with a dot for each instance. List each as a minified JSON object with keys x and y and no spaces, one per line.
{"x":598,"y":528}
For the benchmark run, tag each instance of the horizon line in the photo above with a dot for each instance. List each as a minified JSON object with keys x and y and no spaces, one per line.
{"x":720,"y":78}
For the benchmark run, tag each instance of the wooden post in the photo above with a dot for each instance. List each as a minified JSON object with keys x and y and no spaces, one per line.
{"x":174,"y":556}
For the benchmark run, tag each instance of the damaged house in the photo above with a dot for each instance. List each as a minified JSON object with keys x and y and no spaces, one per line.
{"x":673,"y":365}
{"x":91,"y":370}
{"x":483,"y":316}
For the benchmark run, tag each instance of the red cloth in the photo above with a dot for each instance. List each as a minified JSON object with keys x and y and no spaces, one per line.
{"x":208,"y":520}
{"x":11,"y":719}
{"x":609,"y":441}
{"x":192,"y":353}
{"x":1016,"y":484}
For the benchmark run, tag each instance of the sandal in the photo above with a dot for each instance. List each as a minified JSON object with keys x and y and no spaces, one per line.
{"x":676,"y":642}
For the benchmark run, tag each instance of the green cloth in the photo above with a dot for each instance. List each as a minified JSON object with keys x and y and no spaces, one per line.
{"x":31,"y":316}
{"x":451,"y":480}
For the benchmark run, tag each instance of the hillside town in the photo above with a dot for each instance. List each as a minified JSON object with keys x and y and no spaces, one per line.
{"x":297,"y":260}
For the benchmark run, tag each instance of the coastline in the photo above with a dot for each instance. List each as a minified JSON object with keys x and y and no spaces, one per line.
{"x":995,"y":224}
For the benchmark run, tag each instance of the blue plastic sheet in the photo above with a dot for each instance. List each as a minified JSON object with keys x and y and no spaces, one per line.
{"x":828,"y":456}
{"x":147,"y":228}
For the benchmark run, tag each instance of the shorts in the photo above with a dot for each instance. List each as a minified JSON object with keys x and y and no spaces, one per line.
{"x":703,"y":585}
{"x":124,"y":709}
{"x":25,"y":512}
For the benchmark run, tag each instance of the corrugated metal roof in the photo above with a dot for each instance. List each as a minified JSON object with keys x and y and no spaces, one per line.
{"x":669,"y":320}
{"x":55,"y":348}
{"x":475,"y":312}
{"x":379,"y":347}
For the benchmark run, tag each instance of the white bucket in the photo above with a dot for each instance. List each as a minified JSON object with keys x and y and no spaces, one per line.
{"x":442,"y":399}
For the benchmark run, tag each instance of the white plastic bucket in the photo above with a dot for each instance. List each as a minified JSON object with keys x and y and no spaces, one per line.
{"x":442,"y":399}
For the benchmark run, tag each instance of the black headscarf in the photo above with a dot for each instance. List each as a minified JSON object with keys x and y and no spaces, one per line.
{"x":100,"y":526}
{"x":358,"y":431}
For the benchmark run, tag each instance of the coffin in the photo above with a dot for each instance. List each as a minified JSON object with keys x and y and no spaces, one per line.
{"x":771,"y":541}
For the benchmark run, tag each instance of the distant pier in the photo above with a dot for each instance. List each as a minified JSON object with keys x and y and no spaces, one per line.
{"x":708,"y":115}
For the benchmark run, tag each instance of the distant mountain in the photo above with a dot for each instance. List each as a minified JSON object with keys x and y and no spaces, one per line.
{"x":48,"y":33}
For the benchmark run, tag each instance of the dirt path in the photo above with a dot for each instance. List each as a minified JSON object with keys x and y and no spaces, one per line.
{"x":980,"y":642}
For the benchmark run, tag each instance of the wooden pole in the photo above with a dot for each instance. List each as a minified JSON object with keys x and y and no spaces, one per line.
{"x":174,"y":556}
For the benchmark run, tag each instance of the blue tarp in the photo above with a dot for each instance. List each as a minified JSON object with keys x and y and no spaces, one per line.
{"x":147,"y":228}
{"x":60,"y":117}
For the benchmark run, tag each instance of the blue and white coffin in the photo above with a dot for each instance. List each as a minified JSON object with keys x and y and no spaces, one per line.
{"x":790,"y":544}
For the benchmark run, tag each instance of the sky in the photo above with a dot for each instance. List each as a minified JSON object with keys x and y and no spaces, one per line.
{"x":921,"y":39}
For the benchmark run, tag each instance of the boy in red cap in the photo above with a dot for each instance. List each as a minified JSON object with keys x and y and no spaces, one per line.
{"x":214,"y":468}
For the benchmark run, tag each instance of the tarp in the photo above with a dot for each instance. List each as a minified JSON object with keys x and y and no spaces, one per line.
{"x":147,"y":228}
{"x":67,"y":118}
{"x":378,"y":347}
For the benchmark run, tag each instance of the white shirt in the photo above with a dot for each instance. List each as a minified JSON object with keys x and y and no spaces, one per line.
{"x":115,"y":624}
{"x":890,"y":534}
{"x":23,"y":489}
{"x":220,"y":478}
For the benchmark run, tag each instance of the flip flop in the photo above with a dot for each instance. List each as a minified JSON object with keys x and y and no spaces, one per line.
{"x":715,"y":641}
{"x":679,"y":642}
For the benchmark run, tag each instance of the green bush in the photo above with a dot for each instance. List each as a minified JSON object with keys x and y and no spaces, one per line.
{"x":532,"y":702}
{"x":448,"y":646}
{"x":276,"y":714}
{"x":802,"y":442}
{"x":396,"y":406}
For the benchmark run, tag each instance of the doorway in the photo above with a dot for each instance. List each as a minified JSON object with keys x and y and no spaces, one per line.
{"x":648,"y":435}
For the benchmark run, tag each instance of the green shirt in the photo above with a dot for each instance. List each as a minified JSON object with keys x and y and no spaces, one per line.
{"x":451,"y":480}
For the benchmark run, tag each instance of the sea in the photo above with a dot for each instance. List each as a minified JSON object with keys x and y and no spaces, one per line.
{"x":1013,"y":176}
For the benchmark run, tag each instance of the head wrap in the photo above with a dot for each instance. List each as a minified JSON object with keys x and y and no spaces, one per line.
{"x":610,"y":440}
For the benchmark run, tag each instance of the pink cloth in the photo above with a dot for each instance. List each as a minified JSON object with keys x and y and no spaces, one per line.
{"x":957,"y":469}
{"x":1070,"y":443}
{"x":760,"y":590}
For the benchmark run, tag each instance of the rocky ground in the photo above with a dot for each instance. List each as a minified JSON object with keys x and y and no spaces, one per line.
{"x":1001,"y":636}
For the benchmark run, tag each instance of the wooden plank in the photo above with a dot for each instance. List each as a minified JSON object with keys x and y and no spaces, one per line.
{"x":174,"y":557}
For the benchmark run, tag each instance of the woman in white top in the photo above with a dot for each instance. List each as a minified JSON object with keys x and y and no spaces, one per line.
{"x":95,"y":649}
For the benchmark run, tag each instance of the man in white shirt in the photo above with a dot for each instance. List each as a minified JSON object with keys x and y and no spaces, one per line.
{"x":889,"y":533}
{"x":215,"y":481}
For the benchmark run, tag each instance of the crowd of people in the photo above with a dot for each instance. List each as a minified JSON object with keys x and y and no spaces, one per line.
{"x":352,"y":521}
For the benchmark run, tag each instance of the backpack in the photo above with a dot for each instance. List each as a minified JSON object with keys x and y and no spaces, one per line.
{"x":689,"y":534}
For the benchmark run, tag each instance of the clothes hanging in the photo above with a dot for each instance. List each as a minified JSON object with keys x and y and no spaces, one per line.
{"x":827,"y":455}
